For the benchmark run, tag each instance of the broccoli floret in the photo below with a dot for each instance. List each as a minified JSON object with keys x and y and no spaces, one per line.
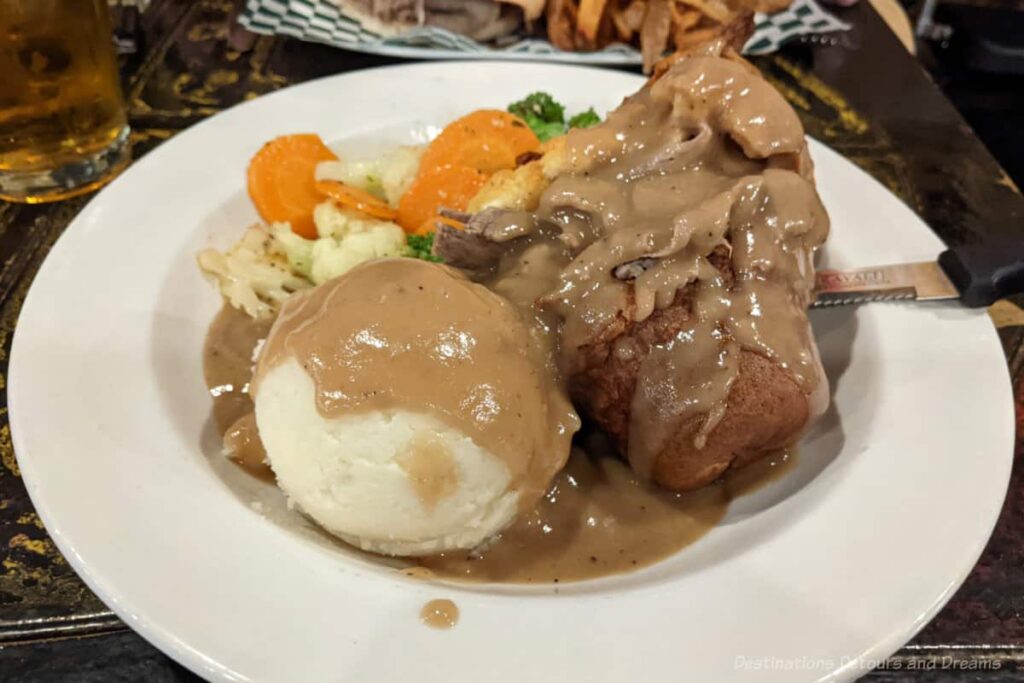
{"x":421,"y":247}
{"x":544,"y":116}
{"x":539,"y":105}
{"x":585,"y":119}
{"x":546,"y":131}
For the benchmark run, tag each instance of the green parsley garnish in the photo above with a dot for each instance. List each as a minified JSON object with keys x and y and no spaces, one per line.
{"x":585,"y":119}
{"x":546,"y":117}
{"x":421,"y":247}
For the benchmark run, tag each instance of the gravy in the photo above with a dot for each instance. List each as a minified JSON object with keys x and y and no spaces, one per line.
{"x":440,"y":613}
{"x":431,"y":469}
{"x":596,"y":519}
{"x":228,"y":362}
{"x":708,"y":160}
{"x":599,"y":519}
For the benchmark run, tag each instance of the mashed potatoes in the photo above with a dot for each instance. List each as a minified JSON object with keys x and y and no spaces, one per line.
{"x":409,"y":410}
{"x":359,"y":477}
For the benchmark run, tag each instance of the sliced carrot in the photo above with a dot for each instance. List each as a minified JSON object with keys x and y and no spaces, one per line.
{"x":354,"y":198}
{"x":281,"y":180}
{"x":487,"y":140}
{"x":459,"y":161}
{"x":430,"y":225}
{"x":448,"y":186}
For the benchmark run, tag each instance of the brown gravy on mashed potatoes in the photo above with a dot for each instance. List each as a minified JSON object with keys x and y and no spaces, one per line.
{"x":596,"y":519}
{"x":420,"y":336}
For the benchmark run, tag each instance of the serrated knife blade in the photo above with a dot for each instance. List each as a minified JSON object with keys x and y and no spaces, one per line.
{"x":976,"y":274}
{"x":919,"y":281}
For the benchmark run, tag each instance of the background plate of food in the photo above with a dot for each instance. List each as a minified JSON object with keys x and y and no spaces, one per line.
{"x":536,"y":443}
{"x":587,"y":31}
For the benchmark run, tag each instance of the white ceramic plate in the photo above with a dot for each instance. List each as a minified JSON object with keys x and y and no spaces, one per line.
{"x":815,"y":576}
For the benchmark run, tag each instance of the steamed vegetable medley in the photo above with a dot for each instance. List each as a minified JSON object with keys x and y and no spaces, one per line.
{"x":325,"y":215}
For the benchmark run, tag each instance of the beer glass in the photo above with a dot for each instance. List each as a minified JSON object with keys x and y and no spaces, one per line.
{"x":63,"y":127}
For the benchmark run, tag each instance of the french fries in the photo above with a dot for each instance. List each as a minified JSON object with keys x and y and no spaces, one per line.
{"x":588,"y":20}
{"x":713,"y":9}
{"x":654,"y":32}
{"x":627,"y":18}
{"x":656,"y":26}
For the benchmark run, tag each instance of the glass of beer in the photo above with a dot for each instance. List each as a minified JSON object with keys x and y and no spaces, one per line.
{"x":63,"y":126}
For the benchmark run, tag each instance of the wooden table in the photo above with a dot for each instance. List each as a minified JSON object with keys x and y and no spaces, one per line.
{"x":861,"y":93}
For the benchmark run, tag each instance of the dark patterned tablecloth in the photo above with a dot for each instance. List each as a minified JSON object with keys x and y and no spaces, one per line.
{"x":860,"y":92}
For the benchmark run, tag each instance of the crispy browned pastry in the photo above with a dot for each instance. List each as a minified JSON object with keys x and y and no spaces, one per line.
{"x":766,"y":409}
{"x":766,"y":412}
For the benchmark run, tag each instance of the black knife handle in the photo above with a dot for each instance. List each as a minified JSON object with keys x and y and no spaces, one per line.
{"x":985,"y":272}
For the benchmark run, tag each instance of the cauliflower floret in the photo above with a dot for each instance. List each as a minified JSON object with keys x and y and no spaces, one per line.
{"x":332,"y":258}
{"x":347,"y":238}
{"x":397,"y":171}
{"x":361,"y":173}
{"x":387,"y":176}
{"x":338,"y":223}
{"x":297,"y":249}
{"x":255,"y":274}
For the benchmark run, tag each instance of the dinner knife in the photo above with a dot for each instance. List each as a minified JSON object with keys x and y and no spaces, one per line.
{"x":976,"y":274}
